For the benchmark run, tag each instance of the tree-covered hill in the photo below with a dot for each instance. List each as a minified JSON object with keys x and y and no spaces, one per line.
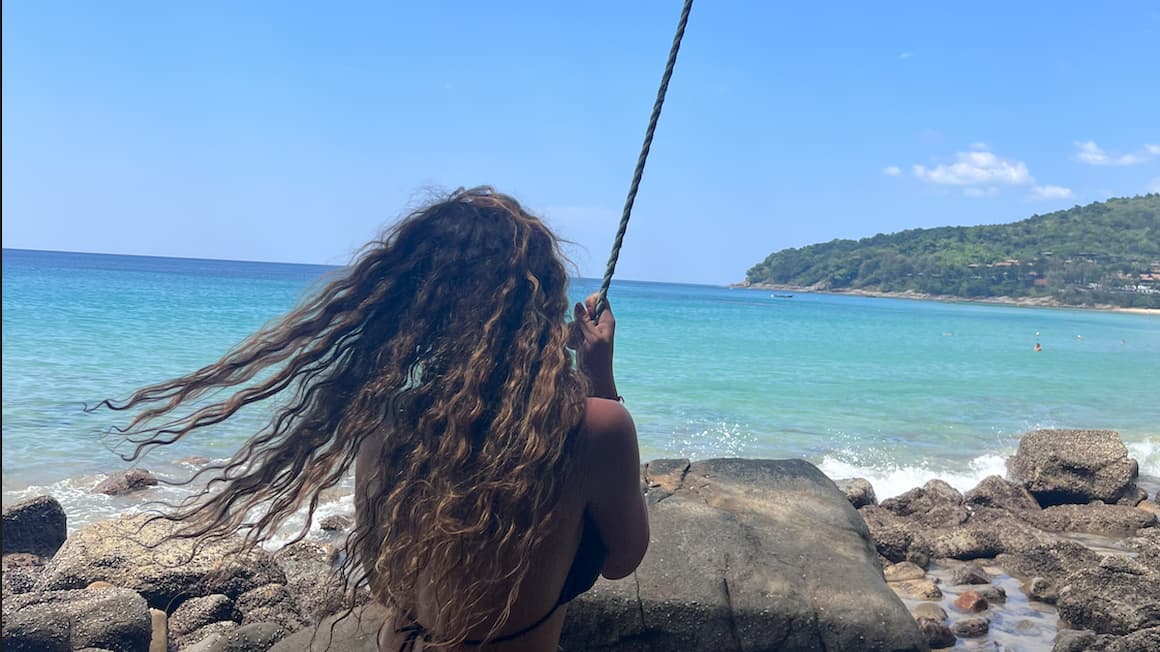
{"x":1103,"y":253}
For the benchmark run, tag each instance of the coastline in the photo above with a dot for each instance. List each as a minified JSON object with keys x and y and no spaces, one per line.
{"x":1019,"y":302}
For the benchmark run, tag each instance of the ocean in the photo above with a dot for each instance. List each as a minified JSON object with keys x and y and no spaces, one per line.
{"x":892,"y":390}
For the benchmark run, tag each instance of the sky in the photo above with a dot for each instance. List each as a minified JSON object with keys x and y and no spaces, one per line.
{"x":295,"y":131}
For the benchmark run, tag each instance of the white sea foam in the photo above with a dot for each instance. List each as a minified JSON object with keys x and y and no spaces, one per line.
{"x":894,"y":480}
{"x":1147,"y":453}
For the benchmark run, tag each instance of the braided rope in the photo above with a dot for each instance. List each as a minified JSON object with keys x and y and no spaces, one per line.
{"x":602,"y":300}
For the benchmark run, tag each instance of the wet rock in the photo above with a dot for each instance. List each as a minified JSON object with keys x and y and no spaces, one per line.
{"x":1111,"y":600}
{"x":336,"y":523}
{"x":1042,"y":590}
{"x":858,"y":491}
{"x":970,"y":574}
{"x":995,"y":491}
{"x":971,"y":602}
{"x":971,"y":627}
{"x":1093,"y":518}
{"x":195,"y":613}
{"x":978,"y":541}
{"x":207,"y":637}
{"x":1052,"y":561}
{"x":1072,"y":640}
{"x":903,"y":570}
{"x":923,"y":589}
{"x":1133,"y":496}
{"x":133,"y":552}
{"x":993,"y":594}
{"x":114,"y":619}
{"x":936,"y":632}
{"x":37,"y":525}
{"x":126,"y":482}
{"x":1073,"y":466}
{"x":929,"y":610}
{"x":892,"y":534}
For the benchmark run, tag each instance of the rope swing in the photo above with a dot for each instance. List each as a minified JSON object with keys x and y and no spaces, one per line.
{"x":602,"y":300}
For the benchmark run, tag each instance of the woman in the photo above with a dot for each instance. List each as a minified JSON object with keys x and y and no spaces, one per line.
{"x":494,"y":476}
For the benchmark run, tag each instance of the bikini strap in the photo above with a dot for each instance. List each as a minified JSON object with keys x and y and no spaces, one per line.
{"x":415,"y":632}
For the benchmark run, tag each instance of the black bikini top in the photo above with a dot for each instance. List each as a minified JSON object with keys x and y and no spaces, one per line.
{"x":582,"y":575}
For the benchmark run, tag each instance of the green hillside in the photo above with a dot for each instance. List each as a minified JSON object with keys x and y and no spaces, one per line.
{"x":1103,"y":253}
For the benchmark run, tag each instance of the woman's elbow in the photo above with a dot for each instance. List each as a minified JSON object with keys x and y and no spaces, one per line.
{"x":622,"y":563}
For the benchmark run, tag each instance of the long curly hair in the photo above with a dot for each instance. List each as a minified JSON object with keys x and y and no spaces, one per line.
{"x":441,"y":353}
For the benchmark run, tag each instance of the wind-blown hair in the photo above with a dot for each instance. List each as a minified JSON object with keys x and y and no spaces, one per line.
{"x":443,"y":349}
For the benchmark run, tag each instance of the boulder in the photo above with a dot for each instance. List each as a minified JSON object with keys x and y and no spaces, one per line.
{"x":125,"y":482}
{"x":247,"y":638}
{"x":113,"y":619}
{"x":270,"y":604}
{"x":1111,"y":600}
{"x":347,"y":631}
{"x":971,"y":602}
{"x":1133,"y":496}
{"x":935,"y":504}
{"x":21,"y":572}
{"x":336,"y":523}
{"x":997,"y":492}
{"x":746,"y":554}
{"x":37,"y":525}
{"x":903,"y":570}
{"x":929,"y":610}
{"x":984,"y":540}
{"x":923,"y":589}
{"x":312,"y":579}
{"x":970,"y":574}
{"x":971,"y":627}
{"x":1093,"y":518}
{"x":858,"y":491}
{"x":936,"y":633}
{"x":1073,"y":466}
{"x":1052,"y":561}
{"x":133,"y":552}
{"x":195,"y":613}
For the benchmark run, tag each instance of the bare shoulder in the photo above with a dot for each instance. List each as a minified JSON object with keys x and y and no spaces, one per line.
{"x":605,"y":418}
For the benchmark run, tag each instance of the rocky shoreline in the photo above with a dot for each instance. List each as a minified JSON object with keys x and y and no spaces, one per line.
{"x":1062,"y":554}
{"x":1025,"y":302}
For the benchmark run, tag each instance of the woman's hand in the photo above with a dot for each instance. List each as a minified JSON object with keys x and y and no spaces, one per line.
{"x":593,"y":342}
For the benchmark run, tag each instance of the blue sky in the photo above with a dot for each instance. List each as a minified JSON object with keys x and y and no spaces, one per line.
{"x":294,"y":131}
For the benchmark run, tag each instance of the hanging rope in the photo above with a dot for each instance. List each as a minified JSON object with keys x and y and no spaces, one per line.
{"x":602,"y":300}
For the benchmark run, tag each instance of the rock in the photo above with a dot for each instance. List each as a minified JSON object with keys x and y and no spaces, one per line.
{"x":923,"y":589}
{"x":903,"y":570}
{"x":935,"y":632}
{"x":929,"y":610}
{"x":353,"y":632}
{"x":791,"y":566}
{"x":935,"y":504}
{"x":970,"y":574}
{"x":37,"y":525}
{"x":858,"y":491}
{"x":206,"y":637}
{"x":270,"y":604}
{"x":125,"y":482}
{"x":1111,"y":601}
{"x":129,"y":552}
{"x":312,"y":579}
{"x":100,"y":585}
{"x":993,"y":594}
{"x":1133,"y":496}
{"x":336,"y":523}
{"x":971,"y":602}
{"x":892,"y":535}
{"x":971,"y":627}
{"x":1144,"y":639}
{"x":1042,"y":590}
{"x":21,"y":572}
{"x":995,"y":491}
{"x":159,"y":638}
{"x":1073,"y":466}
{"x":195,"y":613}
{"x":984,"y":540}
{"x":918,"y":557}
{"x":1053,"y":561}
{"x":1093,"y":518}
{"x":1071,"y":640}
{"x":114,"y":619}
{"x":256,"y":636}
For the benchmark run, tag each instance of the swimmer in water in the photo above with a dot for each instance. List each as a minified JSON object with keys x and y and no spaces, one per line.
{"x":1038,"y":348}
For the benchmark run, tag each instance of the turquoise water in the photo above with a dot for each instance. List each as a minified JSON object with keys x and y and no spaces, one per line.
{"x":894,"y":390}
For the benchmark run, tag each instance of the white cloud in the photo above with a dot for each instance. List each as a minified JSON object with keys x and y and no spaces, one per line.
{"x":1092,"y":154}
{"x":892,"y":171}
{"x":905,"y":55}
{"x":976,"y":168}
{"x":1154,"y":185}
{"x":989,"y":191}
{"x":1154,"y":150}
{"x":1050,"y":192}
